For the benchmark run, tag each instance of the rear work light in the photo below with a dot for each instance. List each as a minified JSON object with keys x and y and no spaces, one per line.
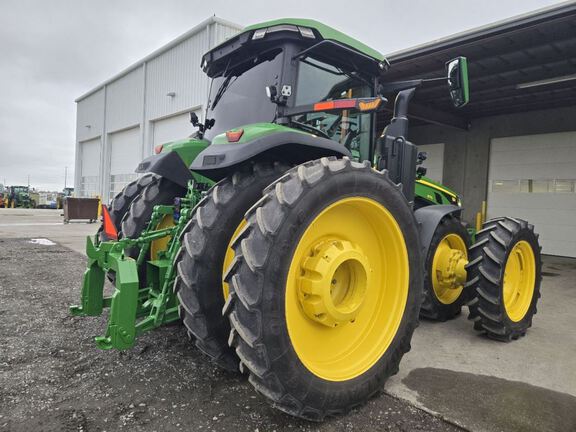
{"x":304,"y":31}
{"x":234,"y":135}
{"x":158,"y":148}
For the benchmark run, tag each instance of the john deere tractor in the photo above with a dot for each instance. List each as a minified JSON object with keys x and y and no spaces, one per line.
{"x":297,"y":243}
{"x":18,"y":196}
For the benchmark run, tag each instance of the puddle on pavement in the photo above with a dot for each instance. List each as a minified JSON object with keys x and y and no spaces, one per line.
{"x":487,"y":403}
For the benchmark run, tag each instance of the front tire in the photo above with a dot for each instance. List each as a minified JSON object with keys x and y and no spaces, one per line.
{"x":505,"y":273}
{"x":206,"y":251}
{"x":444,"y":292}
{"x":325,"y":287}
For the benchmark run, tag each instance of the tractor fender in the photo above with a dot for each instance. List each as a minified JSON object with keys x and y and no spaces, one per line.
{"x":429,"y":218}
{"x":168,"y":165}
{"x":218,"y":160}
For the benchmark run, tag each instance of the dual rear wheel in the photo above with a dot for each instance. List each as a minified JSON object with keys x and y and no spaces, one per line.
{"x":322,"y":289}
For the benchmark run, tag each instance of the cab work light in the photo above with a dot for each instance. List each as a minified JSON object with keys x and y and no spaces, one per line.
{"x":158,"y":148}
{"x":304,"y":31}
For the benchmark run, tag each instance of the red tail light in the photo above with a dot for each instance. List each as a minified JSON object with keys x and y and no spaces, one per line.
{"x":234,"y":135}
{"x":158,"y":148}
{"x":109,"y":228}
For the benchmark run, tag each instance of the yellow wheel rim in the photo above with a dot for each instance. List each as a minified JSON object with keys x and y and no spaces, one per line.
{"x":519,"y":280}
{"x":161,"y":244}
{"x":229,"y":257}
{"x":347,"y":288}
{"x":448,"y":272}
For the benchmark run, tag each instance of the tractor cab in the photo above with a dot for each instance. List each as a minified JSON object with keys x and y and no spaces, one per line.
{"x":302,"y":76}
{"x":292,"y":74}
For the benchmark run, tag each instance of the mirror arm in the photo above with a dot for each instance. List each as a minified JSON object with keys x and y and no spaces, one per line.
{"x":396,"y":86}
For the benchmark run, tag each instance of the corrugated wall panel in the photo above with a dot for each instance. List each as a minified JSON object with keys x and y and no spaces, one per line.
{"x":177,"y":71}
{"x":223,"y":32}
{"x":124,"y":101}
{"x":90,"y":116}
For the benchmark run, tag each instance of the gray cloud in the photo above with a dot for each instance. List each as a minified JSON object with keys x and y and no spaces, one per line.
{"x":52,"y":52}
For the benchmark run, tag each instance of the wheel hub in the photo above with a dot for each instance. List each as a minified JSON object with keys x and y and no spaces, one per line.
{"x":450,"y":268}
{"x":333,"y":281}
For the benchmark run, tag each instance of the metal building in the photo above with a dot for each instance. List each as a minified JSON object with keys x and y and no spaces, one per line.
{"x":119,"y":122}
{"x":514,"y":144}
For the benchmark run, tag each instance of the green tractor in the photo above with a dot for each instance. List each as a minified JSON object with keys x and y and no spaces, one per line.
{"x":297,"y":243}
{"x":19,"y":196}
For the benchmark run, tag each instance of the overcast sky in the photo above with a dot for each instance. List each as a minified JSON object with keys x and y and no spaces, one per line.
{"x":53,"y":51}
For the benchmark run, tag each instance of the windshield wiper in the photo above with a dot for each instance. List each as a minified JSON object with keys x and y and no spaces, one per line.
{"x":227,"y":82}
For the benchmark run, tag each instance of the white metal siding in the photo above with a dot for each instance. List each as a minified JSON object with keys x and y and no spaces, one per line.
{"x":173,"y":128}
{"x":89,"y":168}
{"x":124,"y":101}
{"x":177,"y":71}
{"x":124,"y":151}
{"x":534,"y":178}
{"x":124,"y":157}
{"x":90,"y":116}
{"x":222,"y":32}
{"x":137,"y":97}
{"x":434,"y":164}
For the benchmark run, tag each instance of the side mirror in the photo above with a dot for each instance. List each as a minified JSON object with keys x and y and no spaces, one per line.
{"x":194,"y":119}
{"x":457,"y":73}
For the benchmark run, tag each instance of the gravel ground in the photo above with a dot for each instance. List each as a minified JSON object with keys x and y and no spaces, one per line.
{"x":53,"y":378}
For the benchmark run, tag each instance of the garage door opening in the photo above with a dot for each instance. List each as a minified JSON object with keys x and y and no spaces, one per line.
{"x":173,"y":128}
{"x":89,"y":168}
{"x":533,"y":177}
{"x":124,"y":157}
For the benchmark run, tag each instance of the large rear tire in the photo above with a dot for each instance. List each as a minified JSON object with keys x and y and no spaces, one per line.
{"x":206,"y":251}
{"x":325,"y":287}
{"x":444,"y":292}
{"x":158,"y":191}
{"x":505,"y":273}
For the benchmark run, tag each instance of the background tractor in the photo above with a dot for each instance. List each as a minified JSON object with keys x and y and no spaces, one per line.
{"x":296,"y":242}
{"x":18,"y":196}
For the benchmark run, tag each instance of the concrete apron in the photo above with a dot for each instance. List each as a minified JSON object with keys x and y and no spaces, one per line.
{"x":484,"y":385}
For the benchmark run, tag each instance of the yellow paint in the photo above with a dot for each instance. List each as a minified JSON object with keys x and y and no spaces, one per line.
{"x":519,"y":280}
{"x":99,"y":206}
{"x":162,"y":243}
{"x":229,"y":257}
{"x":448,"y":272}
{"x":352,"y":264}
{"x":435,"y":186}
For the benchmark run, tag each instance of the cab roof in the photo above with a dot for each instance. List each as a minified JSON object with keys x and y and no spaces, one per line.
{"x":326,"y":32}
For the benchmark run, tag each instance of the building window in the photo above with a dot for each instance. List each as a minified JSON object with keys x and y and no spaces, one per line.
{"x":119,"y":182}
{"x":534,"y":186}
{"x":88,"y":186}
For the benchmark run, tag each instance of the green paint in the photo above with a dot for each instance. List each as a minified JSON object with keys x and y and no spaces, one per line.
{"x":188,"y":149}
{"x":254,"y":131}
{"x":435,"y":192}
{"x":465,"y":81}
{"x":135,"y":309}
{"x":325,"y":31}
